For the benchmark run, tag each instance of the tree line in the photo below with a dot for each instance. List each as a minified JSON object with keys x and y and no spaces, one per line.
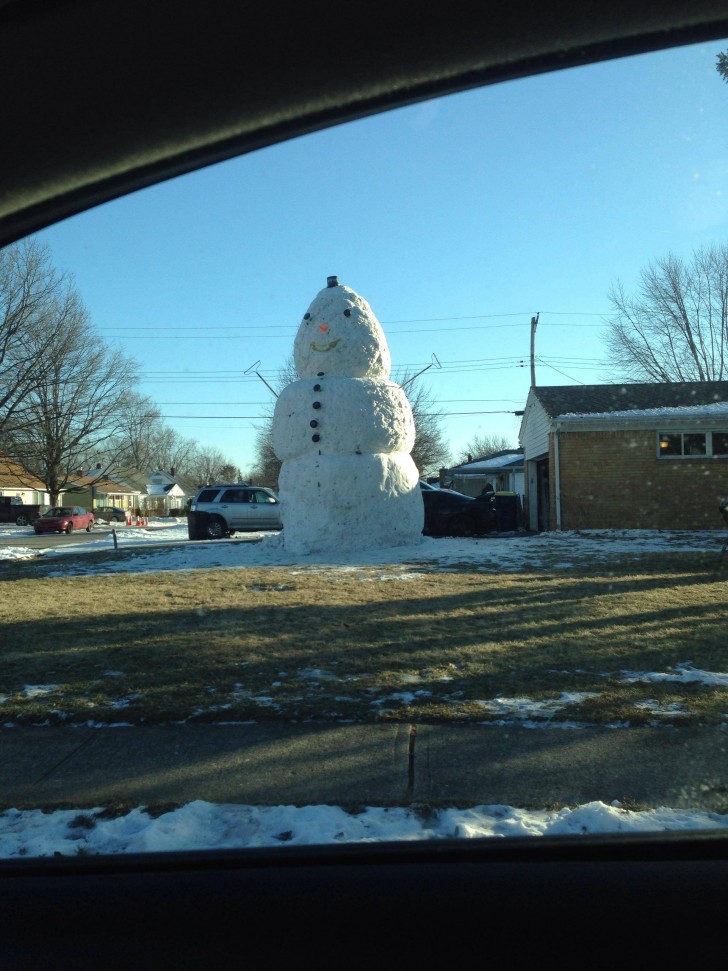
{"x":70,"y":402}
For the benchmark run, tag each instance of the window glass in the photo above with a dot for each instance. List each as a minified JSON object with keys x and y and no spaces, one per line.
{"x":235,"y":495}
{"x":208,"y":495}
{"x":670,"y":445}
{"x":694,"y":444}
{"x":720,"y":443}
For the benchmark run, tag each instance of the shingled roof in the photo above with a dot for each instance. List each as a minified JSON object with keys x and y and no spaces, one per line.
{"x":14,"y":475}
{"x":588,"y":399}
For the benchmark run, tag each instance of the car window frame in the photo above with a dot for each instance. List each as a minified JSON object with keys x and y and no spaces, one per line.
{"x":433,"y":892}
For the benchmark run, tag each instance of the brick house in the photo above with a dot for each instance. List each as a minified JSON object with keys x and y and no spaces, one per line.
{"x":633,"y":456}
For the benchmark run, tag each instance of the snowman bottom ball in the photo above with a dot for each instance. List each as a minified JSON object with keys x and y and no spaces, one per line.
{"x":335,"y":503}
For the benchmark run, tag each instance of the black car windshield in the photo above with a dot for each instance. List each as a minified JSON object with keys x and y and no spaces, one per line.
{"x":477,"y":348}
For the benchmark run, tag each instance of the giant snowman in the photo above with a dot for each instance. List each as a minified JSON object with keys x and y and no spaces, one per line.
{"x":344,"y":433}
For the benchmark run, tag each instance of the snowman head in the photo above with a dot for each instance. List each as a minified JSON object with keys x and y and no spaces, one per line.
{"x":340,"y":335}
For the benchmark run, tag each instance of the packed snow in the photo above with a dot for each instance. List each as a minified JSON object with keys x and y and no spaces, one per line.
{"x":345,"y":421}
{"x":203,"y":825}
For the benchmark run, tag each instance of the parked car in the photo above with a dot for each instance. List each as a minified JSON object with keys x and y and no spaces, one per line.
{"x":64,"y":519}
{"x":221,"y":510}
{"x":14,"y":511}
{"x":109,"y":514}
{"x":449,"y":513}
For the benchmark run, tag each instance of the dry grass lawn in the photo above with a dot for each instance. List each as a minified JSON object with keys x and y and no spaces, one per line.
{"x":419,"y":645}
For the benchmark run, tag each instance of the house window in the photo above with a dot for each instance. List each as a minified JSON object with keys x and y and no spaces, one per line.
{"x":720,"y":443}
{"x":670,"y":445}
{"x":692,"y":444}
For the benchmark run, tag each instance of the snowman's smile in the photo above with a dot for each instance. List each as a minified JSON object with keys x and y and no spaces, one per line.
{"x":324,"y":347}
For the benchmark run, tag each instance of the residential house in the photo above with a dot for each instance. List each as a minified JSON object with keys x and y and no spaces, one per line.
{"x":635,"y":456}
{"x":162,"y":493}
{"x":102,"y":488}
{"x":503,"y":471}
{"x":18,"y":483}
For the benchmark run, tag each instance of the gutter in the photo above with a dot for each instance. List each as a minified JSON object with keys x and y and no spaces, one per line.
{"x":557,"y":476}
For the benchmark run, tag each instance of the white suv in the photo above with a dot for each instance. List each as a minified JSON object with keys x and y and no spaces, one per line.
{"x":220,"y":510}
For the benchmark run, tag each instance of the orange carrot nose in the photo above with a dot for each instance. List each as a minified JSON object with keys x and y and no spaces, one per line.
{"x":323,"y":327}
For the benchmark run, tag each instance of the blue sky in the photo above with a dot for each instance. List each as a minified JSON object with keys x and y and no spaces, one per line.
{"x":457,"y":219}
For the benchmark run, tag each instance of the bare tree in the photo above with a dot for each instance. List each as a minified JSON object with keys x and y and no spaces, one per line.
{"x":209,"y":465}
{"x":267,"y":466}
{"x":675,"y":328}
{"x":142,"y":426}
{"x":430,"y":451}
{"x":72,"y":409}
{"x":35,"y":301}
{"x":722,"y":65}
{"x":168,"y":450}
{"x":481,"y":446}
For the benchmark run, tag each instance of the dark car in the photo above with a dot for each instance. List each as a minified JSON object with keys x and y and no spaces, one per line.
{"x":449,"y":513}
{"x":110,"y":514}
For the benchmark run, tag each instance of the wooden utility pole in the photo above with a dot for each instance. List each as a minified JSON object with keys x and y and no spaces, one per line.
{"x":534,"y":324}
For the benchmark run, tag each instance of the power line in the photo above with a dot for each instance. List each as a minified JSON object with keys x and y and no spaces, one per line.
{"x":152,"y":332}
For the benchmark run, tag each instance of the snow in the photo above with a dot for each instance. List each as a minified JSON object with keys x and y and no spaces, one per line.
{"x":203,"y":825}
{"x":489,"y":464}
{"x":343,"y":421}
{"x":719,"y":409}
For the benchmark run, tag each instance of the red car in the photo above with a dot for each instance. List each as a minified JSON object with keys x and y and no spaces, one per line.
{"x":64,"y":519}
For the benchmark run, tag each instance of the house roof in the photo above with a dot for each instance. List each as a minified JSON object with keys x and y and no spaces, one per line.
{"x":14,"y":475}
{"x":101,"y":484}
{"x":170,"y":489}
{"x":606,"y":399}
{"x":499,"y":460}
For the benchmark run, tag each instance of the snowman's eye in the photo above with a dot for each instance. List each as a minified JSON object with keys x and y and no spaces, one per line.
{"x":347,"y":312}
{"x":307,"y":316}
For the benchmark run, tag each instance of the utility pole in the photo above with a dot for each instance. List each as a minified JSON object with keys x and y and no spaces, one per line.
{"x":534,"y":324}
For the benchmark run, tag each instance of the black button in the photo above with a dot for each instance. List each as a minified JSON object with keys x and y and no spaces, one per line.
{"x":313,"y":423}
{"x":317,"y":387}
{"x":317,"y":404}
{"x":315,"y":438}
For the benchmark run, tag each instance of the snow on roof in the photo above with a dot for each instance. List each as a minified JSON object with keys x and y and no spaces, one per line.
{"x":618,"y":399}
{"x":164,"y":490}
{"x":499,"y":461}
{"x":717,"y":409}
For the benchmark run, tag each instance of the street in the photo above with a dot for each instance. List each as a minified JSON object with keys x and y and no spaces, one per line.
{"x":24,"y":536}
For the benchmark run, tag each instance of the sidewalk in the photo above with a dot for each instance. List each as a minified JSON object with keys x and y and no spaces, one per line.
{"x":354,"y":765}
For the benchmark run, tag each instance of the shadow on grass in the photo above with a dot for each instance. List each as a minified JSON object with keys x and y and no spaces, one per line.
{"x":455,"y":640}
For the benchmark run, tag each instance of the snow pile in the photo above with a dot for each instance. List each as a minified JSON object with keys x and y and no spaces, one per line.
{"x":205,"y":826}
